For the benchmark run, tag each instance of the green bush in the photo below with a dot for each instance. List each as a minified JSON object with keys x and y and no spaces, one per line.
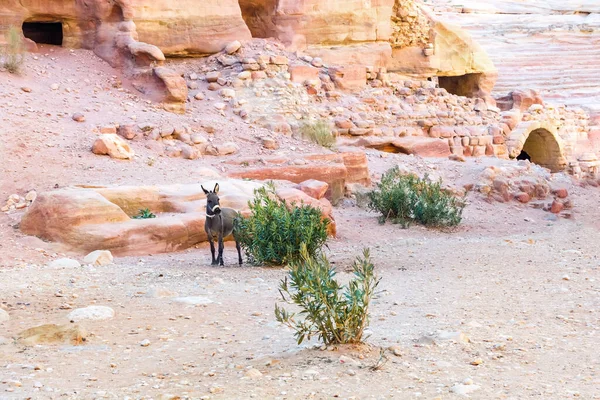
{"x":144,"y":214}
{"x":318,"y":132}
{"x":404,"y":198}
{"x":13,"y":52}
{"x":272,"y":234}
{"x":336,"y":314}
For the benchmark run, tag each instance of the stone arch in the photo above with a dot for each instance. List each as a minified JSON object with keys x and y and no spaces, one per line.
{"x":541,"y":142}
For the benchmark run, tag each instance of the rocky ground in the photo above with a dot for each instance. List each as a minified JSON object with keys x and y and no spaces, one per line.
{"x":504,"y":307}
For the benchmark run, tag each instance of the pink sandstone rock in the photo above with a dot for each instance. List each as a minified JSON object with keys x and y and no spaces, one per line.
{"x":87,"y":219}
{"x":314,"y":188}
{"x":302,"y":73}
{"x":112,"y":145}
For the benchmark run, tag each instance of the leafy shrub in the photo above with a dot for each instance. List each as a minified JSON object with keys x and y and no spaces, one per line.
{"x":273,"y":233}
{"x":336,"y":314}
{"x":406,"y":198}
{"x":13,"y":52}
{"x":318,"y":132}
{"x":144,"y":214}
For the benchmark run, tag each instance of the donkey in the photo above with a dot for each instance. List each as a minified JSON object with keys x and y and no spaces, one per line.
{"x":219,"y":224}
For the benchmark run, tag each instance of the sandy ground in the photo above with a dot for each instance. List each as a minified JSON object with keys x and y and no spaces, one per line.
{"x":513,"y":289}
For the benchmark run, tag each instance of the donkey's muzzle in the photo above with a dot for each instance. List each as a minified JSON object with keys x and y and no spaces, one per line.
{"x":216,"y":209}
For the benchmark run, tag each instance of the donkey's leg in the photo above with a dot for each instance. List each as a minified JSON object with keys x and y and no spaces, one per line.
{"x":239,"y":249}
{"x":212,"y":249}
{"x":221,"y":246}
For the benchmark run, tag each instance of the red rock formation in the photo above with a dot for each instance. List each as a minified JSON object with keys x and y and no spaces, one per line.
{"x":87,"y":219}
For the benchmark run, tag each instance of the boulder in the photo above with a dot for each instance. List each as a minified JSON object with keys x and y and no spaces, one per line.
{"x":145,"y":54}
{"x":174,"y":84}
{"x":314,"y":188}
{"x":92,"y":313}
{"x":112,"y":145}
{"x":53,"y":211}
{"x":98,"y":258}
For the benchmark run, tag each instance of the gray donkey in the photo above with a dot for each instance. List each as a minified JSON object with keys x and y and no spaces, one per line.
{"x":219,"y":224}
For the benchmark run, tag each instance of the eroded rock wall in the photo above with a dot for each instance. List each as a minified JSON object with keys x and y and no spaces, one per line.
{"x":190,"y":27}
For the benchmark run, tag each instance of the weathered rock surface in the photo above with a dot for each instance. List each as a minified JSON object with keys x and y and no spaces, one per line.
{"x":314,"y":188}
{"x":524,"y":40}
{"x":187,"y":27}
{"x":334,"y":169}
{"x":421,"y":146}
{"x":87,"y":219}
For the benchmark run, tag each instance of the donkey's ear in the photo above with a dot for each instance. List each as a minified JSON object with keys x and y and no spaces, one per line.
{"x":205,"y":191}
{"x":216,"y":189}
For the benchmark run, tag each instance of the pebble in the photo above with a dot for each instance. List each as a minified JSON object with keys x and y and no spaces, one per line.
{"x":78,"y":117}
{"x":54,"y":86}
{"x":145,"y":343}
{"x":199,"y":96}
{"x":233,"y":47}
{"x":396,"y":350}
{"x":253,"y":373}
{"x":31,"y":196}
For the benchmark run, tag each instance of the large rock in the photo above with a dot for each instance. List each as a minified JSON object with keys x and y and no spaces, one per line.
{"x":93,"y":313}
{"x":314,"y":188}
{"x":175,"y":87}
{"x":53,"y":211}
{"x":99,"y":258}
{"x":334,"y":169}
{"x":87,"y":219}
{"x":111,"y":144}
{"x":416,"y":145}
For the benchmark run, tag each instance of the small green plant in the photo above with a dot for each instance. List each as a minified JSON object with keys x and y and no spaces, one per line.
{"x":406,"y":198}
{"x":274,"y":231}
{"x":144,"y":214}
{"x":334,"y":313}
{"x":318,"y":132}
{"x":13,"y":53}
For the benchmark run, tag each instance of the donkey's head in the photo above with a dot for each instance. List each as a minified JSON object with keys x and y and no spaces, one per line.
{"x":212,"y":200}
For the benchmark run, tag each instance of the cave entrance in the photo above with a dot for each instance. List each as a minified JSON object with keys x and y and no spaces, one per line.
{"x":463,"y":85}
{"x":542,"y":148}
{"x":44,"y":32}
{"x":258,"y":16}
